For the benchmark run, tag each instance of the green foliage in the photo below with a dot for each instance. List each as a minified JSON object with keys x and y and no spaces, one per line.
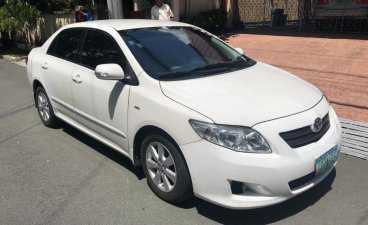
{"x":212,"y":20}
{"x":16,"y":15}
{"x":7,"y":21}
{"x":47,"y":6}
{"x":58,"y":5}
{"x":42,"y":5}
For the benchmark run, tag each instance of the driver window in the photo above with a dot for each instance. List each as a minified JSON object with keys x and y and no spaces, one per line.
{"x":101,"y":48}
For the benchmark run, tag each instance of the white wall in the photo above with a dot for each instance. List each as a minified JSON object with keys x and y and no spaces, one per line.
{"x":140,"y":5}
{"x":115,"y":9}
{"x":46,"y":26}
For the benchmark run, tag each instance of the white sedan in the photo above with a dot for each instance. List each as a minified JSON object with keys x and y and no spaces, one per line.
{"x":197,"y":115}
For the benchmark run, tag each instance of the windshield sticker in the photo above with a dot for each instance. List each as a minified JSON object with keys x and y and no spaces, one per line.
{"x":132,"y":43}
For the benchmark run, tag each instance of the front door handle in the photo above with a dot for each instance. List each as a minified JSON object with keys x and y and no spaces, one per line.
{"x":77,"y":79}
{"x":44,"y":66}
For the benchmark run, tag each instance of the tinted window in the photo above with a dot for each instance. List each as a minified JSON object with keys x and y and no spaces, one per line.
{"x":100,"y":48}
{"x":166,"y":52}
{"x":66,"y":44}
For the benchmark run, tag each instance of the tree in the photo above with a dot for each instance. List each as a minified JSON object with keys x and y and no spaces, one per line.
{"x":16,"y":15}
{"x":47,"y":6}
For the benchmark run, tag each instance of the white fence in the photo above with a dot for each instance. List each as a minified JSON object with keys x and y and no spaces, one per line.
{"x":47,"y":25}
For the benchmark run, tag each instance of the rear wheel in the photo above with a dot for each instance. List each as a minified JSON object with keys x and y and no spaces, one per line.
{"x":165,"y":169}
{"x":44,"y":108}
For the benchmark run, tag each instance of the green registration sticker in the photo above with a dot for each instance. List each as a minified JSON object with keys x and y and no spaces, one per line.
{"x":327,"y":160}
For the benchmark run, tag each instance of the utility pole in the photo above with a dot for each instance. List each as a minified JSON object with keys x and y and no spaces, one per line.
{"x":115,"y":9}
{"x":301,"y":14}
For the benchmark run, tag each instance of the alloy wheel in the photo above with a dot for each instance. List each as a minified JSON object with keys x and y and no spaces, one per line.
{"x":161,"y":166}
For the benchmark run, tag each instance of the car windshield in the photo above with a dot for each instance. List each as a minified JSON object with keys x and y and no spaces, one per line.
{"x":173,"y":52}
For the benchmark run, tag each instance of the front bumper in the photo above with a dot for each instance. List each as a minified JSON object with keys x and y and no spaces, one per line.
{"x":213,"y":168}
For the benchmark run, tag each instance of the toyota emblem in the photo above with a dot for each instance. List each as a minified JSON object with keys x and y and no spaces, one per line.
{"x":317,"y":126}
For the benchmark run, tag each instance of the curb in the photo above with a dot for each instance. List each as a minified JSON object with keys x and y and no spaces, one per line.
{"x":13,"y":58}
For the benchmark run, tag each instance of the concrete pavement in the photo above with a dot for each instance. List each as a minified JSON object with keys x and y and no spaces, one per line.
{"x":14,"y":86}
{"x":61,"y":176}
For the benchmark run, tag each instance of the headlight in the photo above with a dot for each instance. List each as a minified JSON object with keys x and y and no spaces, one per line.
{"x":242,"y":139}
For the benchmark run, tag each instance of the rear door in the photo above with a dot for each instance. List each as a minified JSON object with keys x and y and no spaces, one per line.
{"x":101,"y":105}
{"x":57,"y":67}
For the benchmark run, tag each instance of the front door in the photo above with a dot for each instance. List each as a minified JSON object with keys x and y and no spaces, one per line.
{"x":101,"y":105}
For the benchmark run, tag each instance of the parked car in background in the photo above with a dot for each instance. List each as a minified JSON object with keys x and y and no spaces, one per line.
{"x":197,"y":115}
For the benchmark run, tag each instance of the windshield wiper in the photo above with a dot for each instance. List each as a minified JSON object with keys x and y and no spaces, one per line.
{"x":223,"y":65}
{"x":208,"y":69}
{"x":174,"y":74}
{"x":211,"y":67}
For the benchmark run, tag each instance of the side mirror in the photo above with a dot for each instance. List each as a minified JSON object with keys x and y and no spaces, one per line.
{"x":109,"y":72}
{"x":240,"y":51}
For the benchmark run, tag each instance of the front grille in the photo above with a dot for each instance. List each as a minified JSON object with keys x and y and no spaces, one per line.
{"x":304,"y":136}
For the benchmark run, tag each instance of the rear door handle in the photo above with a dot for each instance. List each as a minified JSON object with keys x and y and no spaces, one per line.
{"x":77,"y":79}
{"x":44,"y":66}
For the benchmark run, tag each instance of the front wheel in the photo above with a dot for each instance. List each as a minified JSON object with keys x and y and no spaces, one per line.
{"x":165,"y":169}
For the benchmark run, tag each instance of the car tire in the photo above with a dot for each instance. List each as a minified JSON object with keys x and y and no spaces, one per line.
{"x":161,"y":160}
{"x":44,"y":108}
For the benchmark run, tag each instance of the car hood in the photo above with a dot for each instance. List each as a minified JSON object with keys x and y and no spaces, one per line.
{"x":245,"y":97}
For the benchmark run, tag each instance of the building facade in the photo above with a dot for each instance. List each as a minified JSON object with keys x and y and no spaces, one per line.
{"x":117,"y":9}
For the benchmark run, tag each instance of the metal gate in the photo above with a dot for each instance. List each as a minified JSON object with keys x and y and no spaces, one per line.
{"x":346,"y":16}
{"x":338,"y":16}
{"x":259,"y":11}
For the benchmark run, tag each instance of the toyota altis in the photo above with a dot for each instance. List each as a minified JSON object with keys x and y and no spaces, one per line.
{"x":200,"y":117}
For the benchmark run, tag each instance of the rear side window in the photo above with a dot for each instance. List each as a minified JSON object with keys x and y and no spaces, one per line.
{"x":66,"y":44}
{"x":100,"y":48}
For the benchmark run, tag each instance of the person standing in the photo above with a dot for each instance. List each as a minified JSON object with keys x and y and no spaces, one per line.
{"x":88,"y":15}
{"x":161,"y":11}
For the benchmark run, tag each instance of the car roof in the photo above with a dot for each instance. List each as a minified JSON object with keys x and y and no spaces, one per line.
{"x":126,"y":24}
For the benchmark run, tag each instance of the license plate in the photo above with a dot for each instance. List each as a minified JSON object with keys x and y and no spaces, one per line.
{"x":326,"y":161}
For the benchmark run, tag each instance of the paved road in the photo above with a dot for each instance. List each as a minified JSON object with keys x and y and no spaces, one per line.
{"x":61,"y":176}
